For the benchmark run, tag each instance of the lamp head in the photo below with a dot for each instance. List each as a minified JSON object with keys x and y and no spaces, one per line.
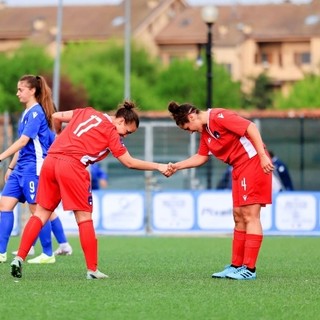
{"x":209,"y":14}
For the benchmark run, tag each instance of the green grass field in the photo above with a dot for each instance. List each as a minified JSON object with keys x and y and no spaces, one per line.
{"x":167,"y":278}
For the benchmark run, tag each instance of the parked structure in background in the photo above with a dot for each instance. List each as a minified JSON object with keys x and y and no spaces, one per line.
{"x":284,"y":43}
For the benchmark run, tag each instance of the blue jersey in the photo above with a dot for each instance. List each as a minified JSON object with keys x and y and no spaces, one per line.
{"x":283,"y":173}
{"x":96,"y":175}
{"x":33,"y":124}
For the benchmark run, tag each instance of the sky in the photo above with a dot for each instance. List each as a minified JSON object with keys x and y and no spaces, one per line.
{"x":92,"y":2}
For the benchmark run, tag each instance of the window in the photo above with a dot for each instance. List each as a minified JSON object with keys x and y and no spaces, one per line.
{"x":302,"y":58}
{"x":263,"y":58}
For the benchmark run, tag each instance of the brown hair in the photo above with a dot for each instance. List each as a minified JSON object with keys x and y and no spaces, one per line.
{"x":125,"y":110}
{"x":43,"y":94}
{"x":180,"y":112}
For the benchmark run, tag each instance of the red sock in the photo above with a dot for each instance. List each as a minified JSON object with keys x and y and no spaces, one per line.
{"x":89,"y":244}
{"x":29,"y":235}
{"x":239,"y":238}
{"x":252,"y":248}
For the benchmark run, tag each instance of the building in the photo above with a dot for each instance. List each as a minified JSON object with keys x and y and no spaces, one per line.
{"x":282,"y":40}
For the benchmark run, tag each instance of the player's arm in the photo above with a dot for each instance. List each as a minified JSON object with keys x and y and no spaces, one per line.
{"x":16,"y":146}
{"x":255,"y":136}
{"x":133,"y":163}
{"x":58,"y":118}
{"x":196,"y":160}
{"x":11,"y":166}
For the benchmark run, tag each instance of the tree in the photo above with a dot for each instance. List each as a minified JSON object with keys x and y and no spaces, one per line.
{"x":183,"y":82}
{"x":29,"y":59}
{"x":261,"y":96}
{"x":303,"y":94}
{"x":99,"y":68}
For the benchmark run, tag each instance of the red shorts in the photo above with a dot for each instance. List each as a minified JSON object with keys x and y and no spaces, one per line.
{"x":67,"y":180}
{"x":250,"y":185}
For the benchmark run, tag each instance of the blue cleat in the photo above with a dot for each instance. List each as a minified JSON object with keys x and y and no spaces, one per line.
{"x":242,"y":273}
{"x":222,"y":274}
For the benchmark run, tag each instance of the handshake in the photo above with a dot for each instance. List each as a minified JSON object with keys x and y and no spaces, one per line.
{"x":167,"y":169}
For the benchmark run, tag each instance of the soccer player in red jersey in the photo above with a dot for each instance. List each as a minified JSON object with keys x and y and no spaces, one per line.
{"x":88,"y":137}
{"x":237,"y":142}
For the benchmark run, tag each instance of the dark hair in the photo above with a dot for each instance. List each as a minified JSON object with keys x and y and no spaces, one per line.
{"x":180,"y":112}
{"x":43,"y":94}
{"x":125,"y":110}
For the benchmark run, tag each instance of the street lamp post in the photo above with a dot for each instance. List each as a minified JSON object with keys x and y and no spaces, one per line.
{"x":209,"y":16}
{"x":56,"y":71}
{"x":127,"y":49}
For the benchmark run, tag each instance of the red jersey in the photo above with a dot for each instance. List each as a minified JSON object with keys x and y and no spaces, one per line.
{"x":225,"y":137}
{"x":89,"y":137}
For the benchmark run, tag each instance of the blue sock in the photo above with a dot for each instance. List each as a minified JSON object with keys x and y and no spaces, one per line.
{"x":45,"y":239}
{"x":6,"y":226}
{"x":58,"y":231}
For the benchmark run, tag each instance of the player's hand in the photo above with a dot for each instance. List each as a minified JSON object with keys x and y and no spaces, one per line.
{"x":164,"y":169}
{"x":266,"y":164}
{"x":171,"y":169}
{"x":7,"y":174}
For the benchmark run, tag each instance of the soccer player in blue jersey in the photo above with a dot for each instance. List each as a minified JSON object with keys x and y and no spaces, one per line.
{"x":29,"y":151}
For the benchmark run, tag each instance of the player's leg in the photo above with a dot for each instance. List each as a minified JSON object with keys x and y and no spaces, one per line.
{"x":78,"y":198}
{"x":30,"y":233}
{"x":10,"y":196}
{"x":238,"y":246}
{"x":45,"y":233}
{"x":253,"y":241}
{"x":89,"y":244}
{"x":46,"y":204}
{"x":239,"y":233}
{"x":58,"y":231}
{"x":7,"y":205}
{"x":256,"y":191}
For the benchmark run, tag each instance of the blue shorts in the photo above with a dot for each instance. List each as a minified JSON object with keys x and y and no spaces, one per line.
{"x":23,"y":188}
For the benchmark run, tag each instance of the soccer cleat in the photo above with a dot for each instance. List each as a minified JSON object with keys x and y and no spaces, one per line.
{"x":222,"y":274}
{"x":30,"y":253}
{"x":95,"y":275}
{"x":242,"y":273}
{"x":43,"y":259}
{"x":3,"y":257}
{"x":16,"y":268}
{"x":64,"y":250}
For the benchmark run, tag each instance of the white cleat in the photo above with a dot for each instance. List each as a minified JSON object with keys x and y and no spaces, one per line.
{"x":43,"y":259}
{"x":3,"y":257}
{"x":30,"y":253}
{"x":95,"y":275}
{"x":64,"y":250}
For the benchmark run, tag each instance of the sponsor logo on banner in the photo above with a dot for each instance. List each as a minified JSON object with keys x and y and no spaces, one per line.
{"x":173,"y":211}
{"x":214,"y":211}
{"x":123,"y":211}
{"x":296,"y":212}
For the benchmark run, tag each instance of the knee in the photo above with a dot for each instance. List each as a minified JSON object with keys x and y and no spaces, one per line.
{"x":237,"y":216}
